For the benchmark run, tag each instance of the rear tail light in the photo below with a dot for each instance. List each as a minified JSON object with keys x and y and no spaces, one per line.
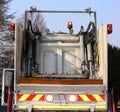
{"x":49,"y":98}
{"x":72,"y":98}
{"x":109,"y":28}
{"x":12,"y":26}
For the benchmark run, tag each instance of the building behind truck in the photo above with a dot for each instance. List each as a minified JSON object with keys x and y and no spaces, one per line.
{"x":58,"y":71}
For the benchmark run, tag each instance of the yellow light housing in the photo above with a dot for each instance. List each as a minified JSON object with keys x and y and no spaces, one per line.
{"x":70,"y":25}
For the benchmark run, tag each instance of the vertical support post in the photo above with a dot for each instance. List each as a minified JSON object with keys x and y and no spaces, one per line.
{"x":78,"y":63}
{"x":90,"y":59}
{"x":82,"y":50}
{"x":59,"y":60}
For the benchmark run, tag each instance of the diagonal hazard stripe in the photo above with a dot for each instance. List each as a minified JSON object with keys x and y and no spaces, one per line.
{"x":24,"y":97}
{"x":42,"y":98}
{"x":102,"y":96}
{"x":84,"y":97}
{"x":19,"y":96}
{"x":91,"y":97}
{"x":37,"y":97}
{"x":31,"y":96}
{"x":98,"y":97}
{"x":79,"y":98}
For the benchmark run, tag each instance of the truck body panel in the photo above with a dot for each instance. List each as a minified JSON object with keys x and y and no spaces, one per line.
{"x":60,"y":58}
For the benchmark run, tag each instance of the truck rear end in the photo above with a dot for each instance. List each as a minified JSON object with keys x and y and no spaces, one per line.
{"x":60,"y":71}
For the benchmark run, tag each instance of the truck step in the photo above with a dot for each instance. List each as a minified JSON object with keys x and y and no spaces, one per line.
{"x":49,"y":88}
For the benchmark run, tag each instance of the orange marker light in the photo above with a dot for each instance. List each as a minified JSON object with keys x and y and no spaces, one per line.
{"x":12,"y":26}
{"x":109,"y":28}
{"x":70,"y":25}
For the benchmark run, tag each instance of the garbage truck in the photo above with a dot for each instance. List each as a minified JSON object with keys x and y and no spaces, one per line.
{"x":59,"y":71}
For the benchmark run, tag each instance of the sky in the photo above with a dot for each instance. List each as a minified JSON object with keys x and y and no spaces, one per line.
{"x":108,"y":12}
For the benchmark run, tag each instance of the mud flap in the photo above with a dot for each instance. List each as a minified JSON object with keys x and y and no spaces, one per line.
{"x":9,"y":100}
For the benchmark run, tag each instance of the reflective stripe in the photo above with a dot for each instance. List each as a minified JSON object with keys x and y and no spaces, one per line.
{"x":101,"y":107}
{"x":22,"y":107}
{"x":60,"y":106}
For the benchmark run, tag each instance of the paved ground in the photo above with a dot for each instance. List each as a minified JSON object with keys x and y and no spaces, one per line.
{"x":3,"y":109}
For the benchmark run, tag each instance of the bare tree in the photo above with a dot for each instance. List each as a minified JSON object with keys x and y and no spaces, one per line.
{"x":40,"y":22}
{"x":5,"y":18}
{"x":37,"y":20}
{"x":6,"y":44}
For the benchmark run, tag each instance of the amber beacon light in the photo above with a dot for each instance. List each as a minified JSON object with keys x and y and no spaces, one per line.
{"x":70,"y":25}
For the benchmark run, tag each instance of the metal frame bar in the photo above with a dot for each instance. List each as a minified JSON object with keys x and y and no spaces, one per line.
{"x":3,"y":84}
{"x":61,"y":11}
